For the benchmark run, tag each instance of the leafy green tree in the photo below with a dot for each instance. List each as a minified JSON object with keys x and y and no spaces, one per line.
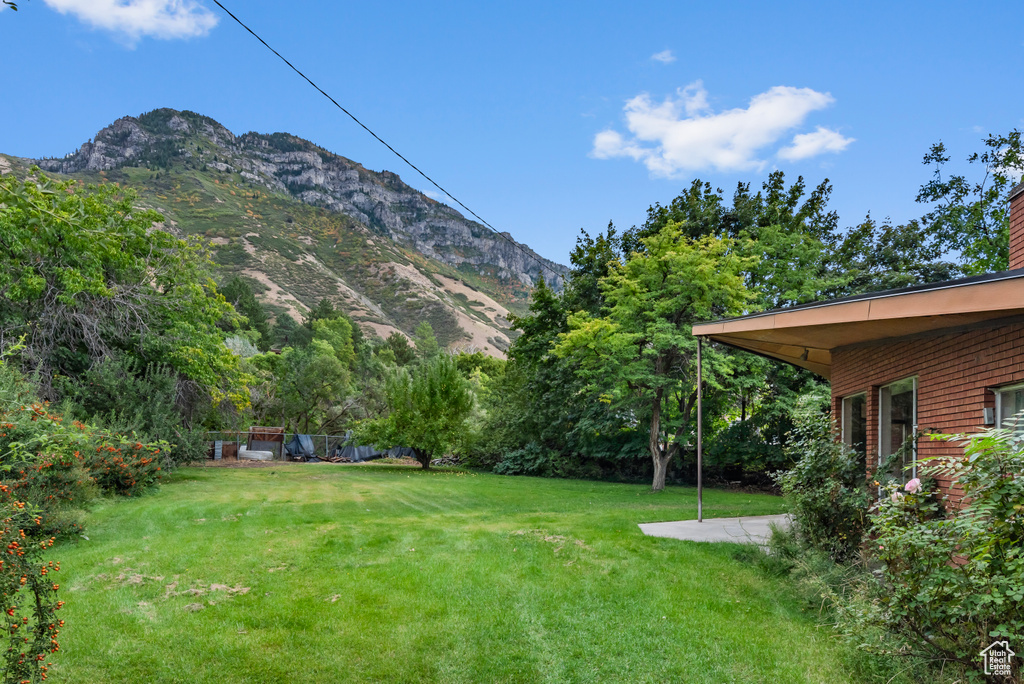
{"x":873,"y":257}
{"x":338,"y":333}
{"x":640,"y":356}
{"x":469,"y":363}
{"x":972,"y":218}
{"x":239,"y":294}
{"x":310,"y":390}
{"x":426,"y":344}
{"x":591,"y":259}
{"x":284,"y":328}
{"x":428,"y":410}
{"x":122,"y":395}
{"x":86,"y":275}
{"x":324,"y":310}
{"x":402,"y":352}
{"x":539,"y":420}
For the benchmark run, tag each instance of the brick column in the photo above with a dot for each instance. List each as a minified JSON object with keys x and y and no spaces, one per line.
{"x":1017,"y":227}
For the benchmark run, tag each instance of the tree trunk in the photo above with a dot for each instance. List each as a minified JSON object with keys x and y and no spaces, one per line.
{"x":659,"y":457}
{"x":423,"y":458}
{"x":660,"y":469}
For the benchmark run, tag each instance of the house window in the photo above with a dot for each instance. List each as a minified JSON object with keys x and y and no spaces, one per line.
{"x":855,"y":425}
{"x":897,"y":422}
{"x":1009,"y":403}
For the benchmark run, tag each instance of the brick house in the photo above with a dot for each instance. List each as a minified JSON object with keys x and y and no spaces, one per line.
{"x":946,"y":356}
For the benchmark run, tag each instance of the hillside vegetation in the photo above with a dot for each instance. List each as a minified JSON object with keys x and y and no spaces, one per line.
{"x":303,"y":224}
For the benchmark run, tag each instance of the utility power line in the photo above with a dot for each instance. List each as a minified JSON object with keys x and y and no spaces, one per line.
{"x":385,"y":144}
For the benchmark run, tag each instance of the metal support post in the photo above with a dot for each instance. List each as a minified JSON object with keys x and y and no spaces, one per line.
{"x":700,"y":435}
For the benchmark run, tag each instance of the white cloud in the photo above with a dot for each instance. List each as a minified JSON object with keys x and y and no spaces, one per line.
{"x":683,"y":134}
{"x":822,"y":140}
{"x":134,"y":19}
{"x":665,"y":57}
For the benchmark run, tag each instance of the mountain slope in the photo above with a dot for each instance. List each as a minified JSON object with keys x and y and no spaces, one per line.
{"x":303,"y":223}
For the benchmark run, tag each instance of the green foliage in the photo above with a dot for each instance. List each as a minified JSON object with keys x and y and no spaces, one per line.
{"x":972,"y":218}
{"x":284,"y":328}
{"x":86,"y":274}
{"x":469,"y":363}
{"x":57,"y":463}
{"x":307,"y":390}
{"x":784,"y":228}
{"x":127,"y":397}
{"x":323,"y":311}
{"x":338,"y":334}
{"x":426,"y":344}
{"x":29,"y":594}
{"x":534,"y":460}
{"x":402,"y":353}
{"x":640,"y":357}
{"x":238,"y":292}
{"x":538,"y":418}
{"x":49,"y":468}
{"x":827,"y":487}
{"x":428,"y":409}
{"x":875,"y":257}
{"x":953,"y":571}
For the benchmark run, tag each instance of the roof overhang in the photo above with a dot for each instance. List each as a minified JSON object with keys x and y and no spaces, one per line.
{"x":806,"y":335}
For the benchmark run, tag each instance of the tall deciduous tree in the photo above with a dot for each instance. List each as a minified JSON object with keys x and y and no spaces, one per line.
{"x":640,"y":356}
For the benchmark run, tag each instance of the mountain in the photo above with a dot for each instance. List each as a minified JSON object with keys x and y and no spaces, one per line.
{"x":302,"y":223}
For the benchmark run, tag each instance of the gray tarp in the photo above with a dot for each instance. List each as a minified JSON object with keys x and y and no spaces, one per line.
{"x":300,"y":448}
{"x":360,"y":454}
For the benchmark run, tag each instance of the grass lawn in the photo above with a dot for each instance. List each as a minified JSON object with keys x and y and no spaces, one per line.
{"x":325,"y":573}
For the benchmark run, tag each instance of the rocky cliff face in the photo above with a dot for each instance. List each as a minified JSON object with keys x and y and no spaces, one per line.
{"x":303,"y":224}
{"x":282,"y":162}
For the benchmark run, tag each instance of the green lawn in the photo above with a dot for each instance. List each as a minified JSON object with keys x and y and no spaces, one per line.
{"x":324,"y":573}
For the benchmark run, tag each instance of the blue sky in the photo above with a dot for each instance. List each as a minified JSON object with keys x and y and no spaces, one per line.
{"x":545,"y":117}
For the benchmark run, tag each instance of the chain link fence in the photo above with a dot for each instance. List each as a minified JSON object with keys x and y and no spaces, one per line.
{"x":323,"y":445}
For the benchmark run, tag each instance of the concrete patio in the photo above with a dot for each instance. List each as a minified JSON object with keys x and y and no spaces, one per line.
{"x":750,"y":530}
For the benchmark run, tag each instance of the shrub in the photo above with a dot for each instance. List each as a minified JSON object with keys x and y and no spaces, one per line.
{"x":122,"y":466}
{"x":29,"y":593}
{"x":125,"y":396}
{"x":953,"y":571}
{"x":534,"y":459}
{"x":59,"y":464}
{"x":827,"y":487}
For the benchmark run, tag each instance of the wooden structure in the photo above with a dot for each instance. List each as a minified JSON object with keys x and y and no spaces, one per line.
{"x":266,"y":439}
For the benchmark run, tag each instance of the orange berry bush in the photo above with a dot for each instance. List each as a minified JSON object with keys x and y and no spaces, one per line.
{"x":50,"y":469}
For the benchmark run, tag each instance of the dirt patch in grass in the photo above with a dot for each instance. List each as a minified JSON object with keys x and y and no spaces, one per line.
{"x":559,"y":541}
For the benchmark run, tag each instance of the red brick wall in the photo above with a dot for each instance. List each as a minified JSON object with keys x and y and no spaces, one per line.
{"x":953,"y":373}
{"x":1017,"y":227}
